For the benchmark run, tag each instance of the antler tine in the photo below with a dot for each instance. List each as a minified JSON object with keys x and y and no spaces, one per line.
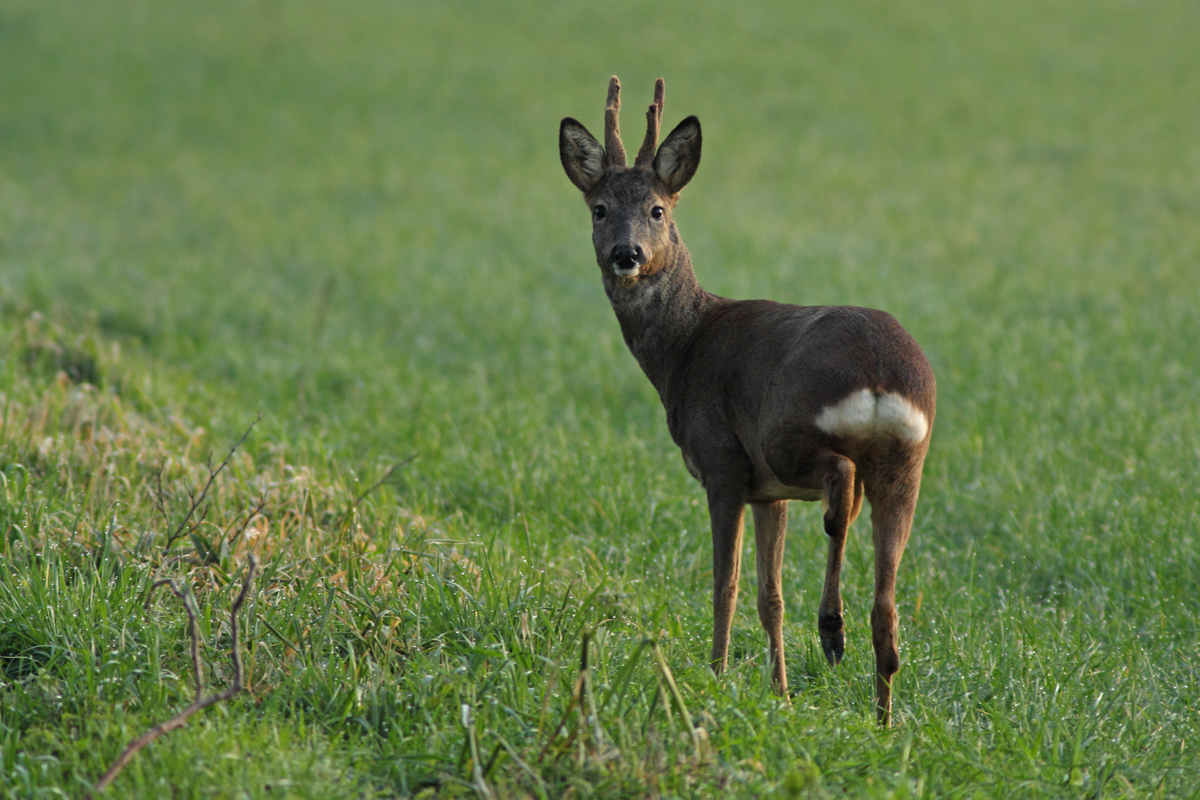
{"x":645,"y":156}
{"x":614,"y":151}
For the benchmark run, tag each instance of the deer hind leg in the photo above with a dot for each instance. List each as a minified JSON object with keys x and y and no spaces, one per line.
{"x":770,"y":527}
{"x":858,"y":498}
{"x":842,"y":500}
{"x":892,"y":510}
{"x":727,"y":511}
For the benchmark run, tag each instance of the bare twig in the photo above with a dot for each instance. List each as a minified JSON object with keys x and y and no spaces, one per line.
{"x":383,"y":480}
{"x":575,"y":704}
{"x":254,"y":512}
{"x":160,"y":494}
{"x":575,"y":690}
{"x":599,"y":737}
{"x":201,"y":702}
{"x":197,"y":500}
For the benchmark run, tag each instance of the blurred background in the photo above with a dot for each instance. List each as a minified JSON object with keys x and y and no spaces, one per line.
{"x":351,"y":217}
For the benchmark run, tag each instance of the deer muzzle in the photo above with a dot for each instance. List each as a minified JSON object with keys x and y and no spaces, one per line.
{"x":626,"y":259}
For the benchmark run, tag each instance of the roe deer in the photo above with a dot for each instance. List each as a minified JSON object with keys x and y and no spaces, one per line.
{"x":768,"y":402}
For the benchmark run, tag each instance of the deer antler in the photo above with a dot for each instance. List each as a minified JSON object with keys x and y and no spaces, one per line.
{"x":645,"y":156}
{"x":614,"y":151}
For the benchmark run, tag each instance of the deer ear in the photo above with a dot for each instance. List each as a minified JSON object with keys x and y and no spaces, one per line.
{"x":679,"y":156}
{"x":582,"y":156}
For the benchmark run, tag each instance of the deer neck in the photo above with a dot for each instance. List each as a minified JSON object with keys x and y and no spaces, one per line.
{"x":659,"y":313}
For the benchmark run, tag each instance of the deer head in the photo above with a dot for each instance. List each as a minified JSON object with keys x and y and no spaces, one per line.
{"x":632,"y":228}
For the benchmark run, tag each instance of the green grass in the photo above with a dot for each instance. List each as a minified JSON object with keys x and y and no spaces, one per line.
{"x":352,"y":219}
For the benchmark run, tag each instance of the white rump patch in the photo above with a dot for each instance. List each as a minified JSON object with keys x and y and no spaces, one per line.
{"x":867,"y":415}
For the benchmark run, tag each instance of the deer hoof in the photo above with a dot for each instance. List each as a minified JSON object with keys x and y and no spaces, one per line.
{"x":833,"y":637}
{"x":834,"y":645}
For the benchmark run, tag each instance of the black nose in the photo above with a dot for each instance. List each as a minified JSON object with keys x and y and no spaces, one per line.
{"x":626,"y":256}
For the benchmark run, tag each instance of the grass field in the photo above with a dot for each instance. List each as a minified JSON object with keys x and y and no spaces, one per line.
{"x":351,"y":219}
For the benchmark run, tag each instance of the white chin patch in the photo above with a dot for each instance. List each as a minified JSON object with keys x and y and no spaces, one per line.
{"x":627,"y":273}
{"x":867,"y":415}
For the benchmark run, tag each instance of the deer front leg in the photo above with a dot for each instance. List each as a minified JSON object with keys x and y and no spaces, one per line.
{"x":770,"y":527}
{"x":840,"y":507}
{"x":726,"y":510}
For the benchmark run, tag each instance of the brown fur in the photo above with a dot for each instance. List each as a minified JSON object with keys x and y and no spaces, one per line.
{"x":743,"y":382}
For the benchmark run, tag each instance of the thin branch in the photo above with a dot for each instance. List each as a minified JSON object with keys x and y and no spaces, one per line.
{"x":201,"y":702}
{"x":384,"y":479}
{"x":160,"y":494}
{"x":212,"y":476}
{"x":254,"y":512}
{"x":576,"y":702}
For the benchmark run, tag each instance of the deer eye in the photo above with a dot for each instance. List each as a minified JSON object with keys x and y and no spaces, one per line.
{"x":599,"y":212}
{"x":657,"y":212}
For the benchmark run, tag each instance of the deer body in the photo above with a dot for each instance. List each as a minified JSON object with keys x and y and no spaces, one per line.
{"x":768,"y":402}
